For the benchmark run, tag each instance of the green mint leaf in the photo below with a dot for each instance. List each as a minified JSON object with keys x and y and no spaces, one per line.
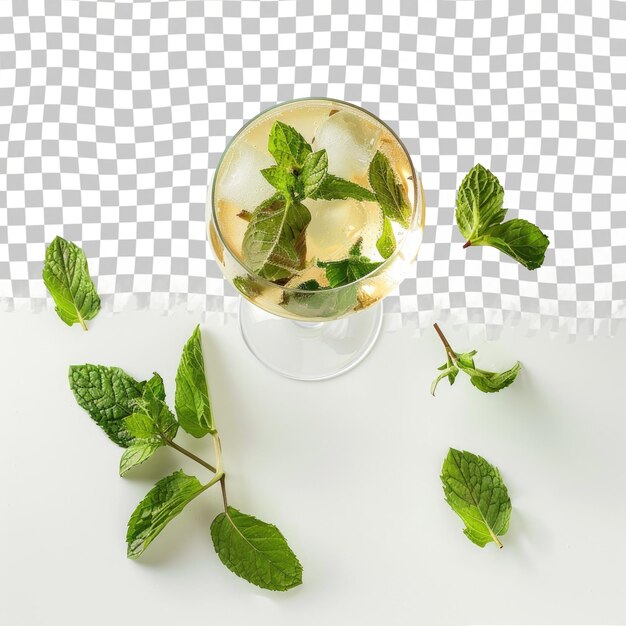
{"x":152,"y":406}
{"x":313,"y":172}
{"x":247,"y":285}
{"x":193,"y":407}
{"x":137,"y":453}
{"x":288,"y":147}
{"x":390,"y":194}
{"x":488,"y":382}
{"x":151,"y":427}
{"x":350,"y":269}
{"x":161,"y":504}
{"x":519,"y":239}
{"x":479,"y":214}
{"x":476,"y":493}
{"x":66,"y":276}
{"x":154,"y":388}
{"x":336,"y":188}
{"x":280,"y":178}
{"x":386,"y":243}
{"x":320,"y":301}
{"x":255,"y":551}
{"x":274,"y":244}
{"x":141,"y":427}
{"x":449,"y":372}
{"x":108,"y":394}
{"x":479,"y":203}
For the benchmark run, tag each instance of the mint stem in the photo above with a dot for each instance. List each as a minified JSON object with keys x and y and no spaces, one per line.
{"x":197,"y":459}
{"x":467,"y":244}
{"x":191,"y":455}
{"x":446,"y":345}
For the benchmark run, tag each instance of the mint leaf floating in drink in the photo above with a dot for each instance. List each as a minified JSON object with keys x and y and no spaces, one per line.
{"x":386,"y":243}
{"x":274,"y":244}
{"x":193,"y":407}
{"x":317,"y":301}
{"x":247,"y":286}
{"x":350,"y":269}
{"x":336,"y":188}
{"x":288,"y":147}
{"x":485,"y":381}
{"x":135,"y":415}
{"x":160,"y":506}
{"x":313,"y":172}
{"x":255,"y":550}
{"x":66,"y":276}
{"x":479,"y":215}
{"x":280,"y":178}
{"x":476,"y":493}
{"x":108,"y":394}
{"x":389,"y":192}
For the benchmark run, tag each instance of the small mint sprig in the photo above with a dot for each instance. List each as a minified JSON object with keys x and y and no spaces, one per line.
{"x":135,"y":416}
{"x":487,"y":382}
{"x":479,"y":215}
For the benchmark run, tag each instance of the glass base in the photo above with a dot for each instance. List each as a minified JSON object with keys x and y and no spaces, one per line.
{"x":309,"y":350}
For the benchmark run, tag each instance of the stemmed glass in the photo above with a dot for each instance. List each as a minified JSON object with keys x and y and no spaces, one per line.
{"x":301,"y":333}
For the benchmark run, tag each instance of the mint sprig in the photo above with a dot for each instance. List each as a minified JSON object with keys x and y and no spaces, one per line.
{"x":66,"y":276}
{"x":136,"y":417}
{"x":487,"y":382}
{"x":350,"y":269}
{"x":475,"y":491}
{"x":479,"y":215}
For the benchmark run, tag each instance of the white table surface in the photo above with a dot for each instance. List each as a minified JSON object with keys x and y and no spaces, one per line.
{"x":348,"y":470}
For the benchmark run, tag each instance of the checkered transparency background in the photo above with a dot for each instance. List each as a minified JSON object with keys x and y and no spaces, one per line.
{"x":113,"y":116}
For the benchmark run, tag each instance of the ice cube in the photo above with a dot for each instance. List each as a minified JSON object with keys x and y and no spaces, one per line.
{"x":350,"y":142}
{"x":336,"y":225}
{"x":241,"y":182}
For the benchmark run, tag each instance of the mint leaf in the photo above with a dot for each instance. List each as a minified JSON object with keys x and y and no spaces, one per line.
{"x":350,"y":269}
{"x":108,"y":394}
{"x":280,"y":178}
{"x":247,"y":285}
{"x":66,"y":276}
{"x":390,"y":193}
{"x":161,"y":504}
{"x":479,"y":203}
{"x":320,"y":301}
{"x":137,"y":453}
{"x":274,"y":244}
{"x":151,"y":427}
{"x":313,"y":172}
{"x":487,"y":382}
{"x":476,"y":493}
{"x":386,"y":243}
{"x":152,"y":404}
{"x":336,"y":188}
{"x":479,"y":214}
{"x":519,"y":239}
{"x":449,"y":371}
{"x":288,"y":147}
{"x":255,"y":551}
{"x":193,"y":407}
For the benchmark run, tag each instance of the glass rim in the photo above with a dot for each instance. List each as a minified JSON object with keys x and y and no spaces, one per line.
{"x":417,"y":193}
